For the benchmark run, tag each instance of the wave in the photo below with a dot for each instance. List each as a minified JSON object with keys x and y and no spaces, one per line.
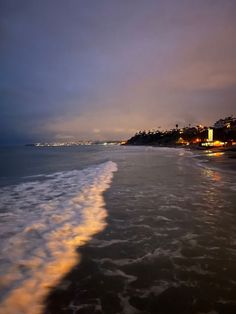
{"x":42,"y":223}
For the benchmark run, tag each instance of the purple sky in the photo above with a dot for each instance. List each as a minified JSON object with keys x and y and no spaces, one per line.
{"x":105,"y":69}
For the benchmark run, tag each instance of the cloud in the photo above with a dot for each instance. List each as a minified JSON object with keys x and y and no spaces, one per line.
{"x":114,"y":66}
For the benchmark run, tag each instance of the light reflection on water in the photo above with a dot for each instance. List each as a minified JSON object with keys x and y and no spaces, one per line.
{"x":212,"y":174}
{"x":215,"y":154}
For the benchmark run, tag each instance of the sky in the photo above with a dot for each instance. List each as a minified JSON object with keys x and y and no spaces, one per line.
{"x":102,"y":70}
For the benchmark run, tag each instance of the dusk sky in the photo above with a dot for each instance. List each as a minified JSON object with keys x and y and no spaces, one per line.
{"x":89,"y":69}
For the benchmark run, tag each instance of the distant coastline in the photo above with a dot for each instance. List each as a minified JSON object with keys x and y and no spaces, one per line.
{"x":72,"y":144}
{"x":221,"y":135}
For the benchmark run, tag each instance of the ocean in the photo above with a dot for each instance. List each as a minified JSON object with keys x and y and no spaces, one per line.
{"x":116,"y":229}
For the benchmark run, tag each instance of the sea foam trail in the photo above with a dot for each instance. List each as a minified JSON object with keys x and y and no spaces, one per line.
{"x":41,"y":225}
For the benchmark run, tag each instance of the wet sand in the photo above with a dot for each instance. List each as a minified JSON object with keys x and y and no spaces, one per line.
{"x":169,"y":245}
{"x":223,"y":159}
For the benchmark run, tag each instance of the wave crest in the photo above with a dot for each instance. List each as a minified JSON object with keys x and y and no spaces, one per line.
{"x":42,"y":224}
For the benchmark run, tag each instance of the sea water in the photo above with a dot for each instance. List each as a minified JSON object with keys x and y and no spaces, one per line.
{"x":164,"y":230}
{"x":45,"y":216}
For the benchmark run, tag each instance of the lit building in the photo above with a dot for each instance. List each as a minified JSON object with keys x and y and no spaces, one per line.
{"x":210,"y":135}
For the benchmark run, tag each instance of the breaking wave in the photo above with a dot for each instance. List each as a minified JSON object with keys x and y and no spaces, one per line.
{"x":41,"y":225}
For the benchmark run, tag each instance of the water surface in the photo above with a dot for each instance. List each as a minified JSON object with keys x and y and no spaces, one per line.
{"x":160,"y":240}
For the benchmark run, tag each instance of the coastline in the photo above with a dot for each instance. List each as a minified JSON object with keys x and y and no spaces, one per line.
{"x":160,"y":244}
{"x":222,"y":158}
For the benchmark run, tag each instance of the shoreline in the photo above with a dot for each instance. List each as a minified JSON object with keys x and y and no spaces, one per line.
{"x":159,"y":244}
{"x":218,"y":159}
{"x":223,"y":158}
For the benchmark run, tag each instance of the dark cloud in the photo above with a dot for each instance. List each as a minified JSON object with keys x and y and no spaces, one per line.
{"x":103,"y":69}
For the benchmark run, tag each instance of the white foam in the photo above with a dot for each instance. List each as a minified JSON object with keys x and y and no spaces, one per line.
{"x":42,"y":224}
{"x":157,"y":290}
{"x":103,"y":243}
{"x":118,"y":272}
{"x":127,"y":307}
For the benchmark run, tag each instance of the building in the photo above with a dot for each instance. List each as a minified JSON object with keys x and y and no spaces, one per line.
{"x":210,"y":135}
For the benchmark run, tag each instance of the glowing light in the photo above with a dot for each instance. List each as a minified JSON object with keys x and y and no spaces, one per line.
{"x":214,"y":144}
{"x":215,"y":154}
{"x":182,"y":141}
{"x":218,"y":143}
{"x":197,"y":140}
{"x":210,"y":135}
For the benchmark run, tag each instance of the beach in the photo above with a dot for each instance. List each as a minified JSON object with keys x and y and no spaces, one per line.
{"x":118,"y":157}
{"x":169,"y":244}
{"x":220,"y":158}
{"x":118,"y":230}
